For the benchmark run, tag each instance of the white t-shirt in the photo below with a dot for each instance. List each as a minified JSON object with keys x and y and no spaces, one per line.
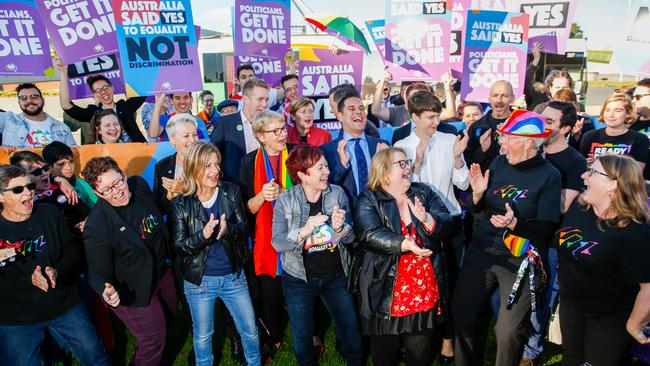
{"x":40,"y":134}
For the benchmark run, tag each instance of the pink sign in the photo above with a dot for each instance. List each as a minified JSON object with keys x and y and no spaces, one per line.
{"x":418,"y":39}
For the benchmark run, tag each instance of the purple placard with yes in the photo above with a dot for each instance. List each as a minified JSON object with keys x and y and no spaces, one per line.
{"x":495,"y":49}
{"x":108,"y":65}
{"x":458,"y":17}
{"x":418,"y":39}
{"x":79,"y":29}
{"x":324,"y":72}
{"x":550,"y":22}
{"x":263,"y":37}
{"x":24,"y":48}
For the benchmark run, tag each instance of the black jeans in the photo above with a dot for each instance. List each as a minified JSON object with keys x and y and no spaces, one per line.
{"x":479,"y":276}
{"x":274,"y":313}
{"x":598,"y":340}
{"x":385,"y":349}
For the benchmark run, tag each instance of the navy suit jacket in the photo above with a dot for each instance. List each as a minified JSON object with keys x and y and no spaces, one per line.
{"x":229,"y":139}
{"x":340,"y":175}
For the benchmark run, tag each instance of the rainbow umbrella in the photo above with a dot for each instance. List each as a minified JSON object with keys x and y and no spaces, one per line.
{"x":341,"y":27}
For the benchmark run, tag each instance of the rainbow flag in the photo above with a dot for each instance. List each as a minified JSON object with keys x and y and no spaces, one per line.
{"x":517,"y":245}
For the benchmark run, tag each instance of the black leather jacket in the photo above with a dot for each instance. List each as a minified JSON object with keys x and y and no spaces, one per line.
{"x":377,"y":222}
{"x":188,"y":219}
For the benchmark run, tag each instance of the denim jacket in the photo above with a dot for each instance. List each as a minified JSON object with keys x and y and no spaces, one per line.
{"x":14,"y":129}
{"x":291,"y":213}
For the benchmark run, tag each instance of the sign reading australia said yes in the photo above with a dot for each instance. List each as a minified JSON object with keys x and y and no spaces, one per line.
{"x":158,"y":46}
{"x":80,"y":29}
{"x":495,"y":49}
{"x":24,"y":50}
{"x":417,"y":38}
{"x":263,"y":37}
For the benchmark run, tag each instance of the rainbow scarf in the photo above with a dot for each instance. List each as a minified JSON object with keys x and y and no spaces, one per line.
{"x":518,"y":246}
{"x":266,"y":259}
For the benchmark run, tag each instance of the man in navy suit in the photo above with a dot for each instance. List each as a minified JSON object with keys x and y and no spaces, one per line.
{"x":349,"y":155}
{"x":233,"y":134}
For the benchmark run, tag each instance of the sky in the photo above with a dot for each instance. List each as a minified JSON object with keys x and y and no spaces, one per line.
{"x":601,"y":20}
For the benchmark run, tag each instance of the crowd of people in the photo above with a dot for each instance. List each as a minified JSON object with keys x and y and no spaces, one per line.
{"x":412,"y":247}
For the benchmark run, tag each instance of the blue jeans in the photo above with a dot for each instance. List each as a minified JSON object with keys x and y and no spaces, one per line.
{"x":20,"y":344}
{"x":233,"y":291}
{"x":539,"y":319}
{"x":301,"y":297}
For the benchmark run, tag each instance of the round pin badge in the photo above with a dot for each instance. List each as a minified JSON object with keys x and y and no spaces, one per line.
{"x":240,"y":128}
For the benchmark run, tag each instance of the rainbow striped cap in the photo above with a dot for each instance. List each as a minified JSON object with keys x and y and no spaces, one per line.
{"x":525,"y":123}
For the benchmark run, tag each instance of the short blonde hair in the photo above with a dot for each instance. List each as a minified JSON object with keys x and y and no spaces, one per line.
{"x":179,"y":119}
{"x":380,"y":168}
{"x":618,"y":97}
{"x":197,"y":157}
{"x":299,"y":103}
{"x":253,"y":83}
{"x":264,"y":119}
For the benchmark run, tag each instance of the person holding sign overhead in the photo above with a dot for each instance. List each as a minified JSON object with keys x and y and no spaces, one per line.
{"x":102,"y":89}
{"x":517,"y":207}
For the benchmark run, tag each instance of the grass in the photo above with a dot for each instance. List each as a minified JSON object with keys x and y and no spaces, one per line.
{"x":180,"y":344}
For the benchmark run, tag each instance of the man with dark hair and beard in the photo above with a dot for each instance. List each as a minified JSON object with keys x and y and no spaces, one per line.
{"x":32,"y":127}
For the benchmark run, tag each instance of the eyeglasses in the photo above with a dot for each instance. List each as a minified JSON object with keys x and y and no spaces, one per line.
{"x":20,"y":189}
{"x":24,"y":97}
{"x":103,"y":89}
{"x":403,"y":163}
{"x":591,"y":172}
{"x":638,"y":97}
{"x":38,"y":171}
{"x":277,"y":131}
{"x":117,"y":185}
{"x":291,"y":88}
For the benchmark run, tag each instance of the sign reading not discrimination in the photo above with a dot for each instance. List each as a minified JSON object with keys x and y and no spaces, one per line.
{"x":496,"y":45}
{"x":80,"y":29}
{"x":158,"y":46}
{"x":24,"y":49}
{"x":418,"y":38}
{"x":323,"y":71}
{"x":262,"y":37}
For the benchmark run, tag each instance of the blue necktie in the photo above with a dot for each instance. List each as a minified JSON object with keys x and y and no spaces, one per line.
{"x":362,"y":165}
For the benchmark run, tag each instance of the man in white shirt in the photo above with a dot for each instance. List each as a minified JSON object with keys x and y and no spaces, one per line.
{"x":32,"y":127}
{"x":438,"y":161}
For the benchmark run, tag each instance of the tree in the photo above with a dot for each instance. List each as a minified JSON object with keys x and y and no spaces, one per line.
{"x":576,"y":31}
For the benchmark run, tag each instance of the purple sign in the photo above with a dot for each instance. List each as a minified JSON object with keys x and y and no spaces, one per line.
{"x":458,"y":17}
{"x":550,"y":22}
{"x":108,"y":65}
{"x":158,"y":46}
{"x":495,"y":49}
{"x":263,"y":37}
{"x":24,"y":49}
{"x":418,"y":39}
{"x":377,"y":31}
{"x":323,"y":71}
{"x":79,"y":29}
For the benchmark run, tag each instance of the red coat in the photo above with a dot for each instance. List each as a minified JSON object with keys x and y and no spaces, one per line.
{"x":315,"y":137}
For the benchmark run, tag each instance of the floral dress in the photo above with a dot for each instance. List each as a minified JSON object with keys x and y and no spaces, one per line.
{"x":416,"y":288}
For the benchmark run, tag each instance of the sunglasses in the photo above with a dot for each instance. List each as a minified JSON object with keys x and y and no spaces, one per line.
{"x":20,"y":189}
{"x":638,"y":97}
{"x":38,"y":171}
{"x":29,"y":96}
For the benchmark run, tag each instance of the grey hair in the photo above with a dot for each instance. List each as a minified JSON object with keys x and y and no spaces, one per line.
{"x":178,"y":119}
